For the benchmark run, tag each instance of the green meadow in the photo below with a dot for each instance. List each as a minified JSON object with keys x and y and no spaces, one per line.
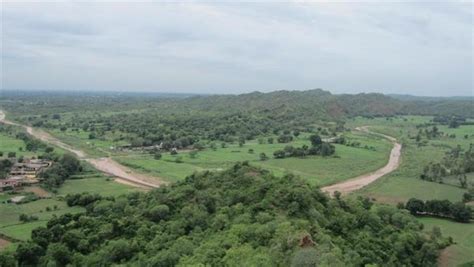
{"x":11,"y":144}
{"x":347,"y":162}
{"x":101,"y":185}
{"x":11,"y":226}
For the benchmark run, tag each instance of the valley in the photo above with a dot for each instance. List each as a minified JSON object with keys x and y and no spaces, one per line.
{"x":153,"y":149}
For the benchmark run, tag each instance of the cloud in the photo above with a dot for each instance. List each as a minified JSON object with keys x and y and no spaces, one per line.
{"x":423,"y":49}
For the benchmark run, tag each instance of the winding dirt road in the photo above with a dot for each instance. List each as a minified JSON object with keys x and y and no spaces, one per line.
{"x":105,"y":165}
{"x":358,"y":182}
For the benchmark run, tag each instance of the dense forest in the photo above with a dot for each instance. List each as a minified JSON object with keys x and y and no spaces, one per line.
{"x":240,"y":217}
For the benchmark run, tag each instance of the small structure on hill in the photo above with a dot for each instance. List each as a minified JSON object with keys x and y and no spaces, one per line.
{"x":17,"y":200}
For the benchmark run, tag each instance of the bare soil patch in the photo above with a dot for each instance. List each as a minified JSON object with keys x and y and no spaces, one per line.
{"x":4,"y":243}
{"x":37,"y":191}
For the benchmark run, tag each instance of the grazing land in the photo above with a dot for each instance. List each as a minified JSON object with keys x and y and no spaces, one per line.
{"x":12,"y":227}
{"x":317,"y":170}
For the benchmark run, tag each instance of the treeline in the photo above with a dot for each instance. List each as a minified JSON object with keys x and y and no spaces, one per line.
{"x":452,"y":121}
{"x":243,"y":216}
{"x":318,"y":147}
{"x":459,"y":211}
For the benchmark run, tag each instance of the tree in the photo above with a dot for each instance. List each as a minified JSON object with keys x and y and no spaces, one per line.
{"x":285,"y":138}
{"x":28,"y":253}
{"x":157,"y":156}
{"x":453,"y":123}
{"x":7,"y":259}
{"x":468,"y":196}
{"x":59,"y":253}
{"x":315,"y":140}
{"x":415,"y":206}
{"x":263,"y":156}
{"x":296,"y":133}
{"x":241,"y":141}
{"x":463,"y":180}
{"x":70,"y":163}
{"x":327,"y":149}
{"x":306,"y":257}
{"x":11,"y":154}
{"x":279,"y":154}
{"x":461,"y":212}
{"x":270,"y":140}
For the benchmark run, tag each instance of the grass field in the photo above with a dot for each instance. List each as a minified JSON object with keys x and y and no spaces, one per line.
{"x":11,"y":144}
{"x":347,"y":162}
{"x":12,"y":227}
{"x":463,"y":234}
{"x":317,"y":170}
{"x":100,"y":185}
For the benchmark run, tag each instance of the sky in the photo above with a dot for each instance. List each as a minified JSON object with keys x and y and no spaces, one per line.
{"x":422,"y":48}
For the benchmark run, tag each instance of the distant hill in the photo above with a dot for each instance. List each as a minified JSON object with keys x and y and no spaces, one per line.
{"x":429,"y":98}
{"x":325,"y":105}
{"x":285,"y":105}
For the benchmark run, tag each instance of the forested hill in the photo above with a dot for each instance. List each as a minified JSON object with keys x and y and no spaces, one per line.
{"x":240,"y":217}
{"x":315,"y":103}
{"x":323,"y":104}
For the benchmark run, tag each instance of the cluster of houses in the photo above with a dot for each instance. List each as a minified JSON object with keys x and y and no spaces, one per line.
{"x":24,"y":173}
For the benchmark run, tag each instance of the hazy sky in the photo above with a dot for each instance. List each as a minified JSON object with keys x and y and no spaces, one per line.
{"x":406,"y":48}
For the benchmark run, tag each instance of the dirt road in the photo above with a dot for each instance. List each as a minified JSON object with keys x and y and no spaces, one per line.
{"x":357,"y":183}
{"x":106,"y":165}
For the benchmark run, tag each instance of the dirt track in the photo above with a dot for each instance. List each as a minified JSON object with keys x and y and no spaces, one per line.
{"x":357,"y":183}
{"x":106,"y":165}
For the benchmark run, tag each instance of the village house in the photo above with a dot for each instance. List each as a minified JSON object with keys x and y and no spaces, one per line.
{"x":11,"y":183}
{"x":30,"y":169}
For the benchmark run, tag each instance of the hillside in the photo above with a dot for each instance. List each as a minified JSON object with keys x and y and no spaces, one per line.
{"x":279,"y":104}
{"x":240,"y":217}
